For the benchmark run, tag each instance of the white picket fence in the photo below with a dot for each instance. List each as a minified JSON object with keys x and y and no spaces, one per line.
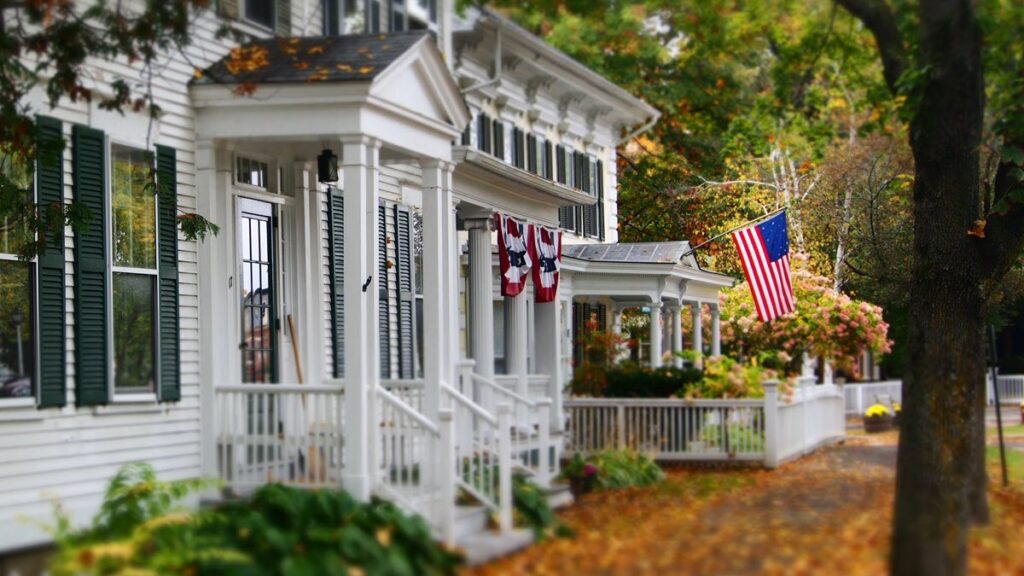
{"x":771,"y":430}
{"x":1011,"y":389}
{"x":861,"y":395}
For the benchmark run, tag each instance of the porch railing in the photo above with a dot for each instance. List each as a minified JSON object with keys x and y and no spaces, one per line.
{"x":531,"y":429}
{"x":413,"y":458}
{"x":1011,"y":389}
{"x":288,"y":433}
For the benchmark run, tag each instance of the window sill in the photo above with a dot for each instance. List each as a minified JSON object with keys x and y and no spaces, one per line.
{"x":14,"y":403}
{"x":131,"y":404}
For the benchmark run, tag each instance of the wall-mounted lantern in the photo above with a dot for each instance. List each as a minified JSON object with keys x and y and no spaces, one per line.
{"x":327,"y":167}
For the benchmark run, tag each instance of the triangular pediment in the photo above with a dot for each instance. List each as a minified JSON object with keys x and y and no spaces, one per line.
{"x":420,"y":83}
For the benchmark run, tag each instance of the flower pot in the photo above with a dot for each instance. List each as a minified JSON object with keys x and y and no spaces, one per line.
{"x":875,"y":424}
{"x":580,"y":485}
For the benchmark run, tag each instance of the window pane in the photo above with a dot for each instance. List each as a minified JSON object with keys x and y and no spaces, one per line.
{"x":134,"y":203}
{"x":133,"y":333}
{"x":260,"y":11}
{"x":17,"y":358}
{"x":13,"y":230}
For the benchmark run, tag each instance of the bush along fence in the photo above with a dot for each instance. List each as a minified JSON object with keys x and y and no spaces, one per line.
{"x":770,"y":430}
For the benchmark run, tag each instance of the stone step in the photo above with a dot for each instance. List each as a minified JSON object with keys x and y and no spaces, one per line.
{"x":487,"y":545}
{"x":470,"y":520}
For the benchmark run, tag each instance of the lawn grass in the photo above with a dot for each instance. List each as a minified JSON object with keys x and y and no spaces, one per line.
{"x":1008,"y":430}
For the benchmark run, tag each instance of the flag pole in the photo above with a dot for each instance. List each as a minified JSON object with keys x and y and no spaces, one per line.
{"x":730,"y":231}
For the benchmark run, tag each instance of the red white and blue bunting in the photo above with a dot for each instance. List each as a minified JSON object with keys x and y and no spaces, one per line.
{"x":547,"y":247}
{"x":513,"y":254}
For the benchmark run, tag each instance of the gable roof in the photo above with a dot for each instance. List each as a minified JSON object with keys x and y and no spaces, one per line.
{"x":311,"y":59}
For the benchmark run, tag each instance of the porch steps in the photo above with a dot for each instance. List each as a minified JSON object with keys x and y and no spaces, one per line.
{"x":559,"y":496}
{"x":469,"y":521}
{"x":487,"y":545}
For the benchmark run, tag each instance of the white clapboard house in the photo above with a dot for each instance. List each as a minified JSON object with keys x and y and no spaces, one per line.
{"x":345,"y":327}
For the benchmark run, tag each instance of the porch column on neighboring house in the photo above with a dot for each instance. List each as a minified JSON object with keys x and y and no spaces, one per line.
{"x":515,"y":347}
{"x":655,"y":334}
{"x":716,"y":331}
{"x":309,"y":249}
{"x":677,"y":335}
{"x":481,"y":306}
{"x":214,"y":267}
{"x":547,"y":331}
{"x":359,"y":184}
{"x":437,"y":219}
{"x":698,"y":333}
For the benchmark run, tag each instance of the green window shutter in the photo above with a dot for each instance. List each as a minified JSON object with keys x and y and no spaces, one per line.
{"x":283,"y":14}
{"x":52,"y":306}
{"x":406,"y":297}
{"x":228,"y":8}
{"x":383,"y":304}
{"x":91,"y":322}
{"x":167,"y":234}
{"x":336,"y":246}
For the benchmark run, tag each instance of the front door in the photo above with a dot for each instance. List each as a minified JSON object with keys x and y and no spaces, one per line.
{"x":258,"y":291}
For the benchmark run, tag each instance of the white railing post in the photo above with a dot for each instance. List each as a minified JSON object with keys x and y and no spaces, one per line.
{"x":842,"y":411}
{"x":445,"y":475}
{"x":504,"y":467}
{"x":620,"y":427}
{"x":771,"y":424}
{"x":544,"y":456}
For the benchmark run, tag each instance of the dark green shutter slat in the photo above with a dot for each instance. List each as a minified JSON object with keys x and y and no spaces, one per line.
{"x":531,"y":153}
{"x":406,"y":298}
{"x":91,"y":324}
{"x":52,"y":305}
{"x":169,"y":346}
{"x":336,"y":246}
{"x":499,"y":139}
{"x":384,"y":305}
{"x":283,"y":13}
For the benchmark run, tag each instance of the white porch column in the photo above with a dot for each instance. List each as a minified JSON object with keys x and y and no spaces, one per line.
{"x":515,"y":349}
{"x":308,"y":254}
{"x":677,"y":335}
{"x":547,"y":331}
{"x":437,"y":218}
{"x":716,"y":331}
{"x":698,"y":332}
{"x":215,"y":268}
{"x":655,"y":334}
{"x":481,"y":306}
{"x":359,"y":182}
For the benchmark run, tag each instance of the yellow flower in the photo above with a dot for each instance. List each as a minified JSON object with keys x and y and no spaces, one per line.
{"x":875,"y":411}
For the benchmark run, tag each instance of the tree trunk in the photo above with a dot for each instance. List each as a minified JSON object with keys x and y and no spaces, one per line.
{"x":977,"y":490}
{"x":945,"y":356}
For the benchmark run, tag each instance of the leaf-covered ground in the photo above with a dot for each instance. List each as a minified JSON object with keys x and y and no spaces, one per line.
{"x":825,"y":514}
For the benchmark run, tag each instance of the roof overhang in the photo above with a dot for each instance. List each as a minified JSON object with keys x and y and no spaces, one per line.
{"x":510,"y":180}
{"x":644,"y":281}
{"x":413,"y":106}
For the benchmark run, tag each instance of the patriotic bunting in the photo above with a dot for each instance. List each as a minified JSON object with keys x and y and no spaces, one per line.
{"x":513,"y":254}
{"x":547,"y":249}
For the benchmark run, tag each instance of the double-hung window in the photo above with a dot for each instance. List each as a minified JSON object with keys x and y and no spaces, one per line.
{"x":133,"y":271}
{"x":17,"y":302}
{"x":259,"y":12}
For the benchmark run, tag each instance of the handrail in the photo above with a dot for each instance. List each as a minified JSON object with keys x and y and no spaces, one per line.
{"x":403,"y":383}
{"x":469,"y":404}
{"x":504,"y":390}
{"x":701,"y":402}
{"x":279,"y":388}
{"x":398,"y":403}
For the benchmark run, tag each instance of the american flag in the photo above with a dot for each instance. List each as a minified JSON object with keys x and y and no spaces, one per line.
{"x":764,"y":252}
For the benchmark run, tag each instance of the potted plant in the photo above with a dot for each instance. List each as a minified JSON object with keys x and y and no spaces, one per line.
{"x":877,"y":419}
{"x":581,"y":475}
{"x":1022,"y":412}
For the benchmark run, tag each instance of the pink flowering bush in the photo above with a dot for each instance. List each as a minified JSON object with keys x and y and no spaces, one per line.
{"x":824,"y":324}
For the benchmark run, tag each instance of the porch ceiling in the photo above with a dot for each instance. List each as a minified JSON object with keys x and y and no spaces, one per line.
{"x":394,"y":88}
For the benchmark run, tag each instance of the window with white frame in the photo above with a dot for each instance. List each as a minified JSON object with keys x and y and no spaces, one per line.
{"x":133,"y":256}
{"x":259,"y":12}
{"x":17,"y":309}
{"x":252,"y":172}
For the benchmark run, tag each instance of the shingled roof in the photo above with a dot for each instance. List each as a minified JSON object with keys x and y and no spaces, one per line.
{"x":310,"y":59}
{"x":641,"y":252}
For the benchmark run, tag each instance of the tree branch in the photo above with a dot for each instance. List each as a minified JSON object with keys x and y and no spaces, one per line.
{"x":880,"y":20}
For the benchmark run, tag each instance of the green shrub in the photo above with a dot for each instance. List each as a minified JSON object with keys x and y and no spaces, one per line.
{"x":532,"y":509}
{"x":727,"y":378}
{"x":739,"y":437}
{"x":278,"y":531}
{"x":629,"y":380}
{"x":626,"y":468}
